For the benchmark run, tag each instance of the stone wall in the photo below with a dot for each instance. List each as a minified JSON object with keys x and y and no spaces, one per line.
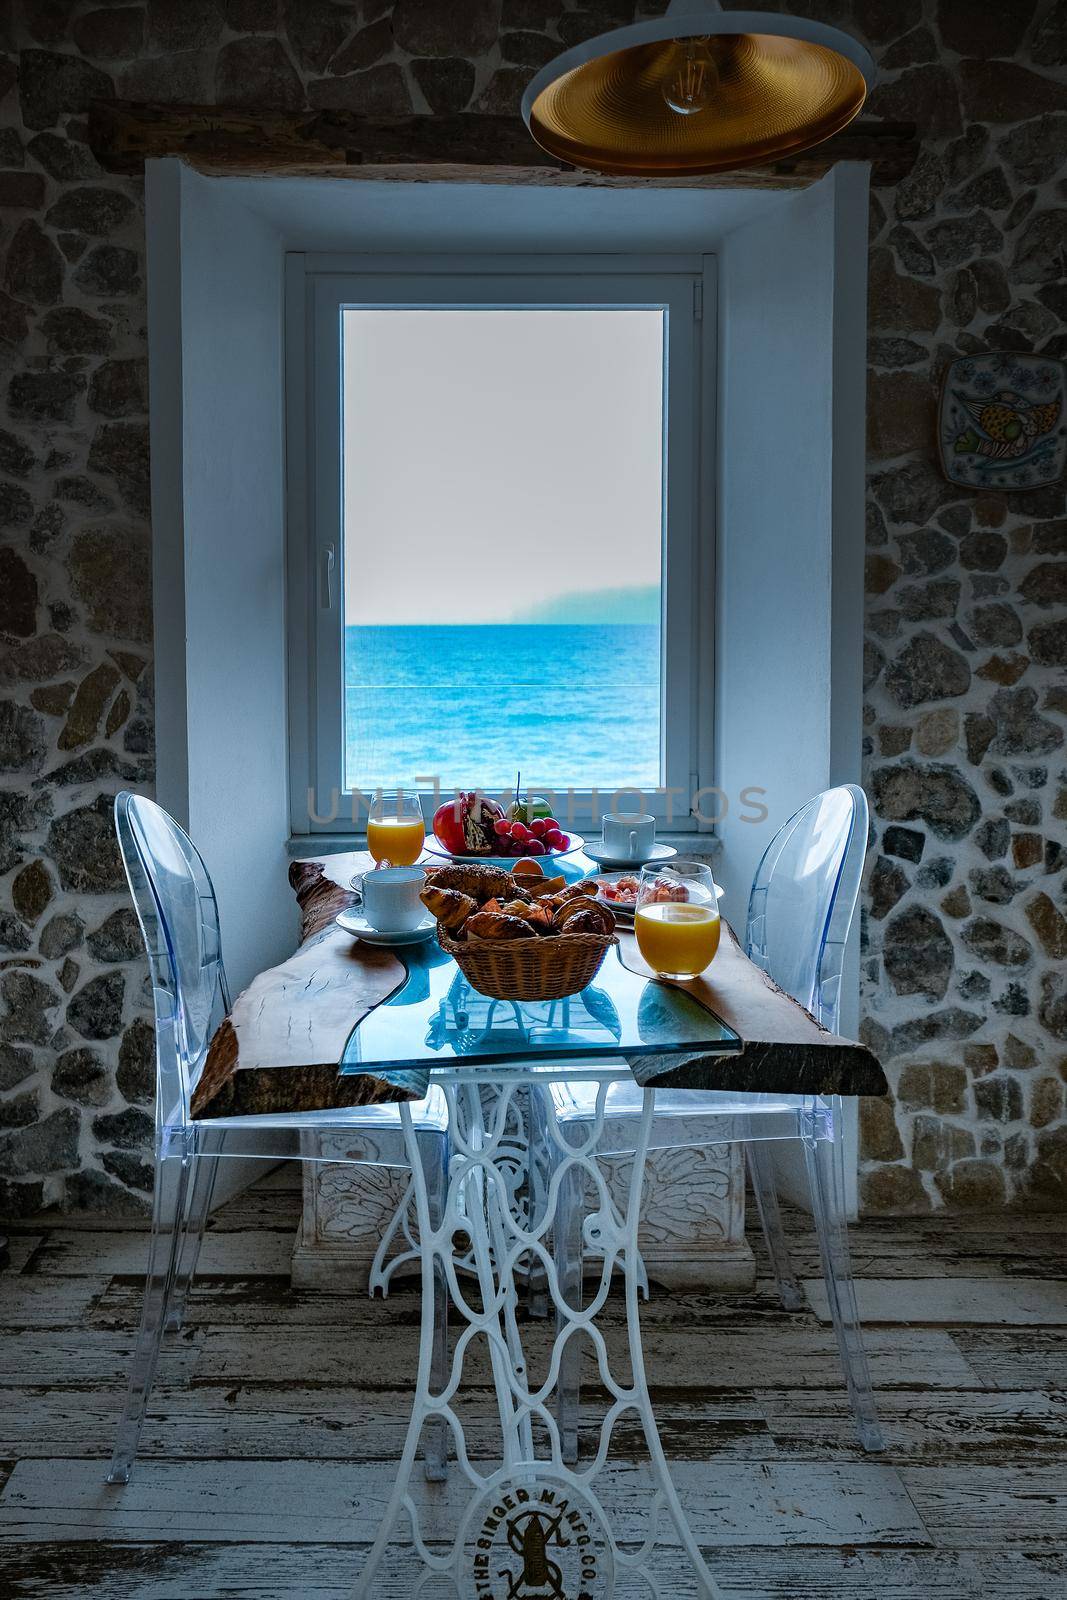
{"x":965,"y":986}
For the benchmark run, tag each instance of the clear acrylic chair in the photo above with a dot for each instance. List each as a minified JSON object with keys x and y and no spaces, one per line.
{"x":800,"y":908}
{"x":178,"y":914}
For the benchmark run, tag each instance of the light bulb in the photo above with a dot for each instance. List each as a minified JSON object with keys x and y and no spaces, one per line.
{"x":692,"y":76}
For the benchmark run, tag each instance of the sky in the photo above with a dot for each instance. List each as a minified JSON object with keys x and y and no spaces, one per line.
{"x":501,"y":465}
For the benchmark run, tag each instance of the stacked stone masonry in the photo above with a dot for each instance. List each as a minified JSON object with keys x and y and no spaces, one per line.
{"x":965,"y":903}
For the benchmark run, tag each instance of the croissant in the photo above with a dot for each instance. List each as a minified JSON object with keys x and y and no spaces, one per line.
{"x":540,"y":918}
{"x":573,"y":890}
{"x":475,"y":878}
{"x":517,"y":908}
{"x":594,"y":918}
{"x":496,"y":925}
{"x":449,"y":906}
{"x":539,"y":887}
{"x":586,"y":919}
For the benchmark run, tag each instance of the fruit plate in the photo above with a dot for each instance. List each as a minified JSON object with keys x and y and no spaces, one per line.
{"x":434,"y":847}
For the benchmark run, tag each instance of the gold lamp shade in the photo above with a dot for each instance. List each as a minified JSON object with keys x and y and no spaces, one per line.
{"x":697,"y":91}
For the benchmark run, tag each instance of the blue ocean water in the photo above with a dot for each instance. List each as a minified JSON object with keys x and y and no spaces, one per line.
{"x":574,"y":704}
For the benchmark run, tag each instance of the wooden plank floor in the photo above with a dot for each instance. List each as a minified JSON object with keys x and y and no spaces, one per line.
{"x":277,"y":1416}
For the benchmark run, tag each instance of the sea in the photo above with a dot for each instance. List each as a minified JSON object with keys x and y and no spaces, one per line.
{"x":565,"y":704}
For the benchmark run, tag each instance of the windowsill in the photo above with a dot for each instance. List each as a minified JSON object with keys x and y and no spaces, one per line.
{"x":705,"y":846}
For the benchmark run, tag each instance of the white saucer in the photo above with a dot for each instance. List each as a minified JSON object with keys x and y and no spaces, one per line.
{"x":603,"y":857}
{"x":352,"y":922}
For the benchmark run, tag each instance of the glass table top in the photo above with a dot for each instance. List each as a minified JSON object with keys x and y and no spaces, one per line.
{"x":436,"y":1025}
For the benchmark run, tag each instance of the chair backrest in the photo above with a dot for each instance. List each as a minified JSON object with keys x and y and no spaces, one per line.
{"x":804,"y":895}
{"x":179,"y":918}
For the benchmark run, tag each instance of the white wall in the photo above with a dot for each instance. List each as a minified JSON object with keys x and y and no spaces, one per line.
{"x":789,"y":589}
{"x":785,"y":719}
{"x":215,"y":347}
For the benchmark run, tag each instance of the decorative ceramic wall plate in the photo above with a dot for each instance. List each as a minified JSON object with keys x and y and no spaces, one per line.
{"x":1003,"y":421}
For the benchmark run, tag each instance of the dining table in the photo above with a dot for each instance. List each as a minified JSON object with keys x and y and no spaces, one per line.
{"x":342,"y":1024}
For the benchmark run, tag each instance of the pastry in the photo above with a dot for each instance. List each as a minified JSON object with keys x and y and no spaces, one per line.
{"x":595,"y":918}
{"x":475,"y":878}
{"x":517,"y":908}
{"x":573,"y":890}
{"x":497,"y":925}
{"x":540,"y":918}
{"x":542,"y":886}
{"x":585,"y":918}
{"x":449,"y":906}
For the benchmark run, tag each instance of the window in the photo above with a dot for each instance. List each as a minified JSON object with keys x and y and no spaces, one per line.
{"x":495,"y":564}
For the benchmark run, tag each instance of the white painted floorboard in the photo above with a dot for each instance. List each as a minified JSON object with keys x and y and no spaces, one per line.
{"x":952,"y":1302}
{"x":277,"y":1418}
{"x":295,"y":1501}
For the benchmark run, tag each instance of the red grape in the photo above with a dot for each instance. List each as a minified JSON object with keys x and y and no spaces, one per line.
{"x":555,"y":839}
{"x":501,"y":827}
{"x":535,"y":847}
{"x":519,"y":830}
{"x":539,"y":827}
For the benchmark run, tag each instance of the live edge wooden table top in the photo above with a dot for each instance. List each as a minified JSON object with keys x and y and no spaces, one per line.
{"x":280,"y":1049}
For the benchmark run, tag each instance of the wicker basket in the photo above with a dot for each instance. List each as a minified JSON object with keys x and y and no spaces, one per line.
{"x":539,"y":968}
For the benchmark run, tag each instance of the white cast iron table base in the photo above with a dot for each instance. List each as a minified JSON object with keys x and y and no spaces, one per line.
{"x":525,"y":1526}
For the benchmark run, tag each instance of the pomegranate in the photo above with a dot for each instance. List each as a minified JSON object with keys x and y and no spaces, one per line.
{"x":467,"y":824}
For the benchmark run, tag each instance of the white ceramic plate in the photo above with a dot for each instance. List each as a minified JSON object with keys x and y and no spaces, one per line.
{"x":354,"y":923}
{"x":596,"y":851}
{"x":625,"y":913}
{"x":436,"y":848}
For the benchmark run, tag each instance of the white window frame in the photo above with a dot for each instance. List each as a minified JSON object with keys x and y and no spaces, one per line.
{"x":318,"y":288}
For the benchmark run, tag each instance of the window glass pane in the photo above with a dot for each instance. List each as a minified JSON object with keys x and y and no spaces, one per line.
{"x":503,"y":534}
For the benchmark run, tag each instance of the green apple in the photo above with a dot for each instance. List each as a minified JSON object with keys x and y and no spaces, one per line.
{"x":534,"y":805}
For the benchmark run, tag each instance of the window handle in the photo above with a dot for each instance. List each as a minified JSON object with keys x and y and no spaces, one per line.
{"x":329,"y":558}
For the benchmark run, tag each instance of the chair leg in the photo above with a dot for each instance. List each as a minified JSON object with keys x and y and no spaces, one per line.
{"x":826,"y":1174}
{"x":172,"y":1179}
{"x":201,"y":1186}
{"x":437,"y":1434}
{"x":567,"y":1235}
{"x":761,"y":1173}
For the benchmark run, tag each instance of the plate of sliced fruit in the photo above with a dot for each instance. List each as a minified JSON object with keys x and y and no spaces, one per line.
{"x":472,"y":827}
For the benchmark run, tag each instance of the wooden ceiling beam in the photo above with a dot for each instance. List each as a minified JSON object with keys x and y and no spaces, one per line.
{"x":466,"y":146}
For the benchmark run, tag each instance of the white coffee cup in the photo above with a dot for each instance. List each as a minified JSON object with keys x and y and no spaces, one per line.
{"x":391,"y":898}
{"x":628,"y":838}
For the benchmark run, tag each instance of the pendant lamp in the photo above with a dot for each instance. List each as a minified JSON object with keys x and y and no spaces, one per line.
{"x":698,"y":90}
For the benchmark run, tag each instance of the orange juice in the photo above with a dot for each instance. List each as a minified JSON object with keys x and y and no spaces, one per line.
{"x":677,"y":940}
{"x":396,"y":839}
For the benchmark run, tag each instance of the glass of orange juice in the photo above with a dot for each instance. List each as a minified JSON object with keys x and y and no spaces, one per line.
{"x":677,"y":919}
{"x":396,"y":831}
